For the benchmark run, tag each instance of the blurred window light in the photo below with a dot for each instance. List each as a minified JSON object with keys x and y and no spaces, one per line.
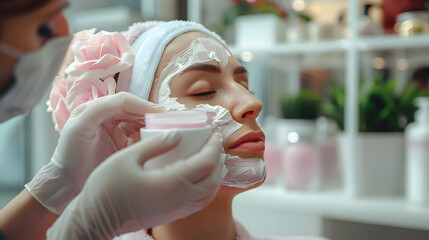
{"x":378,"y":63}
{"x":293,"y":137}
{"x":298,"y":5}
{"x":402,"y":64}
{"x":246,"y":56}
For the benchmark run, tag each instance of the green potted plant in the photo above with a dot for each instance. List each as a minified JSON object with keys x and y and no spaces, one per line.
{"x":380,"y":108}
{"x":305,"y":105}
{"x":379,"y":145}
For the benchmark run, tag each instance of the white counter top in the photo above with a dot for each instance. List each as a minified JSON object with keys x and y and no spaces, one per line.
{"x":394,"y":212}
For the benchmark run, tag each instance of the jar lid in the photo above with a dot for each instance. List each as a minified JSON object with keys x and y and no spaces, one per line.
{"x":176,"y":119}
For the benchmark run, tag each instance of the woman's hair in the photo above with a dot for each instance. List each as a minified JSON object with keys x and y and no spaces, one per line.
{"x":10,"y":8}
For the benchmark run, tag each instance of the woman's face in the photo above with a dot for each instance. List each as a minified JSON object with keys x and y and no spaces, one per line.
{"x":214,"y":84}
{"x":30,"y":31}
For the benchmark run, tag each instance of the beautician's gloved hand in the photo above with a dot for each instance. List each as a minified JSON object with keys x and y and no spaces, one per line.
{"x":120,"y":196}
{"x":82,"y":146}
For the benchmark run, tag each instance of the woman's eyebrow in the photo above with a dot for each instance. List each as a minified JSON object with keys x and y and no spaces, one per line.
{"x":239,"y":70}
{"x":203,"y":67}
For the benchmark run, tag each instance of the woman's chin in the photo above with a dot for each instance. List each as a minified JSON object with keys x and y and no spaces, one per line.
{"x":242,"y":154}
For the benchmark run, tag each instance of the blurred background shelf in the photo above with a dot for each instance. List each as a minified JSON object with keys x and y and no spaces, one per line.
{"x":386,"y":42}
{"x":296,"y":48}
{"x":395,"y":212}
{"x":393,"y":42}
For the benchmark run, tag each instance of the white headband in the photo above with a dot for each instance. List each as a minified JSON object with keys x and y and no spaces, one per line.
{"x":148,"y":49}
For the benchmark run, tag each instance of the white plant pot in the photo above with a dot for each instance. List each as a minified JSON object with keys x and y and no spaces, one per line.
{"x":258,"y":30}
{"x":378,"y":166}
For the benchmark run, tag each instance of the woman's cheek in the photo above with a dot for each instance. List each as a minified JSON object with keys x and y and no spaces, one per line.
{"x":187,"y":101}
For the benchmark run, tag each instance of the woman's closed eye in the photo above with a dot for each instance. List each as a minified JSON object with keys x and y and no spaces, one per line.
{"x":201,"y":88}
{"x":203,"y":94}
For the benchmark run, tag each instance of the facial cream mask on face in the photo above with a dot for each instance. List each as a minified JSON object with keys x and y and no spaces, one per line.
{"x":191,"y":126}
{"x":244,"y":172}
{"x":201,"y":50}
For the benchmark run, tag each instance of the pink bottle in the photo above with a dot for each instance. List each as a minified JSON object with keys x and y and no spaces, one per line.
{"x":299,"y":165}
{"x":272,"y":158}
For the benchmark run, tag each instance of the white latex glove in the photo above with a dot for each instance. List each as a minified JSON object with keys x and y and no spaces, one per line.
{"x":84,"y":143}
{"x":120,"y":196}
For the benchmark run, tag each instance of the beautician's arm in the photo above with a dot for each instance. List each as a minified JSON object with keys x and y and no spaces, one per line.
{"x":25,"y":218}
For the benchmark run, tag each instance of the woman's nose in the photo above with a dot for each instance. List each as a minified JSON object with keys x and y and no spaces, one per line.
{"x":245,"y":106}
{"x":61,"y":27}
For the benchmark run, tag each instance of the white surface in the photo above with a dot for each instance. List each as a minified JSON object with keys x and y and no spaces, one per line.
{"x":395,"y":212}
{"x":393,"y":42}
{"x":417,"y":156}
{"x":385,"y":42}
{"x":351,"y":111}
{"x":378,"y":169}
{"x":257,"y":30}
{"x":194,"y":13}
{"x":115,"y":18}
{"x":270,"y":222}
{"x":299,"y":47}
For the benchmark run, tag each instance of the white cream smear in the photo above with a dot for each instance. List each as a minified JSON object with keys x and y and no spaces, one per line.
{"x":242,"y":173}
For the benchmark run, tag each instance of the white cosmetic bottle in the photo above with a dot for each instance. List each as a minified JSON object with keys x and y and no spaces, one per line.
{"x":417,"y":157}
{"x":191,"y":126}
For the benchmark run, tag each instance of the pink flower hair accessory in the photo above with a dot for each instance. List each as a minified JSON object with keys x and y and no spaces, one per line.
{"x":91,"y":69}
{"x":56,"y":103}
{"x":101,"y":55}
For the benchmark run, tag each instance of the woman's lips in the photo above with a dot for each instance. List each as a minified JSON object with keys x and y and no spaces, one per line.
{"x":251,"y":142}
